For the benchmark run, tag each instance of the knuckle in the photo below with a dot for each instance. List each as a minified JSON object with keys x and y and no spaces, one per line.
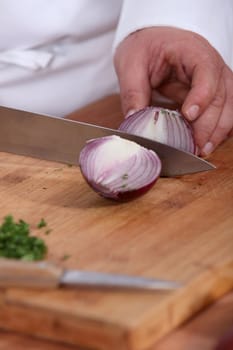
{"x":223,"y":130}
{"x":202,"y":135}
{"x":130,"y":95}
{"x":218,"y":101}
{"x":206,"y":92}
{"x":230,"y":99}
{"x":133,"y":99}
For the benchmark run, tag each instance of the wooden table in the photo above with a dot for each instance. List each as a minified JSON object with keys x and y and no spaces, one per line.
{"x":200,"y":333}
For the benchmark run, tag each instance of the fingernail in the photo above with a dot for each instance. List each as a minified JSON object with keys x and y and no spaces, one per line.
{"x":130,"y":112}
{"x":193,"y":112}
{"x":207,"y":149}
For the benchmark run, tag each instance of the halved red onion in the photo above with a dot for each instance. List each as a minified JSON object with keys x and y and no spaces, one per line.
{"x":162,"y":125}
{"x":118,"y":168}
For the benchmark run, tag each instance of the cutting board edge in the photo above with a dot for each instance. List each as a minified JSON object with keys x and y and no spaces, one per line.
{"x":60,"y":328}
{"x":149,"y":330}
{"x":142,"y":334}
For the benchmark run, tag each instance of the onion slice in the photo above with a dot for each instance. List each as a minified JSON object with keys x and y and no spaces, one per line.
{"x":118,"y":168}
{"x":162,"y":125}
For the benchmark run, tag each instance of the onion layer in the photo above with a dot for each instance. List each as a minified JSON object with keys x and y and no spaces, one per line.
{"x":162,"y":125}
{"x":117,"y":168}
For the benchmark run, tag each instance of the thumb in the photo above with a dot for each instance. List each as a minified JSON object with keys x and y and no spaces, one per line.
{"x":135,"y":90}
{"x":204,"y":85}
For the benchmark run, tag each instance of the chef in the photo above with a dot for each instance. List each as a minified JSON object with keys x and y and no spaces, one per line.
{"x":57,"y":56}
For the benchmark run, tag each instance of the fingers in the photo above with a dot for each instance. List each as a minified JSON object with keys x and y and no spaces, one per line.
{"x":184,"y":68}
{"x":175,"y":91}
{"x":216,"y":123}
{"x":209,"y":104}
{"x":205,"y":125}
{"x":135,"y":89}
{"x":205,"y":80}
{"x":224,"y":126}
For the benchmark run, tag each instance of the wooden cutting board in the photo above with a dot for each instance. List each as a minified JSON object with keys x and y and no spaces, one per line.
{"x":182,"y":229}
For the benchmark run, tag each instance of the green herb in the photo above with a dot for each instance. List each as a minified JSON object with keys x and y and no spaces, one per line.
{"x":65,"y":257}
{"x":125,"y":177}
{"x":70,"y":165}
{"x":42,"y":223}
{"x":16,"y":242}
{"x":47,"y":232}
{"x":163,"y":111}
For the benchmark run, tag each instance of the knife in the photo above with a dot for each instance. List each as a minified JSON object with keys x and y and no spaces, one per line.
{"x":61,"y":140}
{"x":19,"y":273}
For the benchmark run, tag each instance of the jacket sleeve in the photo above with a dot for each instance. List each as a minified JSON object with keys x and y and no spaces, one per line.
{"x":213,"y":19}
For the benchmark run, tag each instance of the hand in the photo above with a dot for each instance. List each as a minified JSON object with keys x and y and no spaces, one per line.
{"x":184,"y":67}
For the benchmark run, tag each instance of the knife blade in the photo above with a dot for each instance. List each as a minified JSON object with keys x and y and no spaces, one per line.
{"x":16,"y":273}
{"x":61,"y":140}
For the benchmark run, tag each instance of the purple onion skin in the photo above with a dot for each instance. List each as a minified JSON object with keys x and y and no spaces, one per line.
{"x":135,"y":123}
{"x":122,"y":196}
{"x":130,"y":195}
{"x":226,"y":343}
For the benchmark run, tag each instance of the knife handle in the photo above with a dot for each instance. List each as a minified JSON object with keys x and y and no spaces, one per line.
{"x":16,"y":273}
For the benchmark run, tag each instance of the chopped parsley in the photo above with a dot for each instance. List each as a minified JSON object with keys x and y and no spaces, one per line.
{"x":65,"y":257}
{"x":163,"y":111}
{"x":42,"y":223}
{"x":125,"y":176}
{"x":16,"y":242}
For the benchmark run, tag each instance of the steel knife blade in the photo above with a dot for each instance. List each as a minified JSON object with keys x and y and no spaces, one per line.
{"x":61,"y":140}
{"x":19,"y":273}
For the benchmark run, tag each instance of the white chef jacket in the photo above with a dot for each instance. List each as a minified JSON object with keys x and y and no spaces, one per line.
{"x":56,"y":56}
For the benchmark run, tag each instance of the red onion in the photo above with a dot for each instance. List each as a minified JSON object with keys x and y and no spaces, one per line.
{"x":118,"y":168}
{"x":226,"y":343}
{"x":162,"y":125}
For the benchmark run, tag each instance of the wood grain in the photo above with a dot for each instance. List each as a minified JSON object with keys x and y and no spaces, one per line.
{"x":181,"y":229}
{"x":202,"y":332}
